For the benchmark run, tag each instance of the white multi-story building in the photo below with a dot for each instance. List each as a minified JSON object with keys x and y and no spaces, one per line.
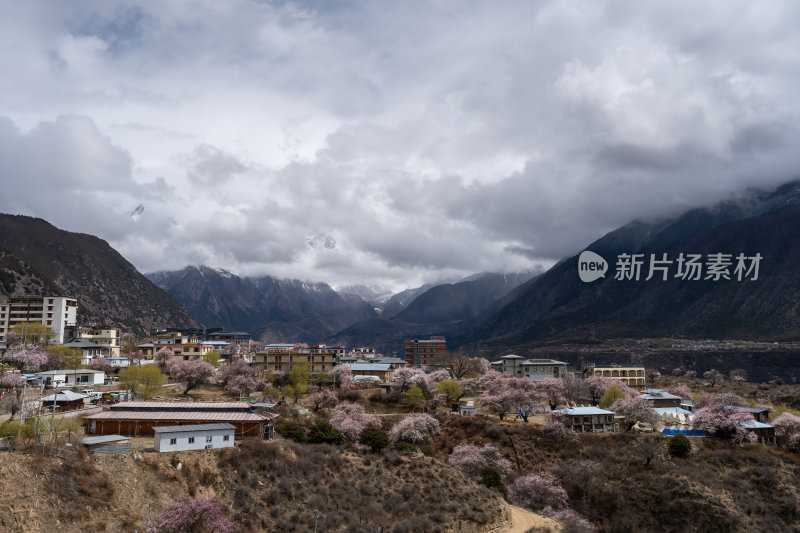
{"x":56,"y":312}
{"x":534,"y":369}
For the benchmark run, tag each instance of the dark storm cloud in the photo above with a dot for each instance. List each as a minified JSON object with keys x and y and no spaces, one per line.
{"x":424,"y":139}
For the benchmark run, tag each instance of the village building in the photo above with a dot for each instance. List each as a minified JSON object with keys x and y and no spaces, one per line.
{"x":533,"y":369}
{"x":89,"y":350}
{"x":765,"y":433}
{"x":661,"y":398}
{"x":80,"y":377}
{"x":107,"y":336}
{"x":419,"y":352}
{"x":282,"y":357}
{"x":393,"y":362}
{"x":632,"y":376}
{"x":107,"y":445}
{"x":64,"y":401}
{"x":588,"y":419}
{"x":193,"y":437}
{"x":140,"y":418}
{"x":383,"y":372}
{"x":59,"y":313}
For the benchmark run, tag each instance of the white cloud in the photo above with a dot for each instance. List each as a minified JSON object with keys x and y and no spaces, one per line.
{"x":424,"y":139}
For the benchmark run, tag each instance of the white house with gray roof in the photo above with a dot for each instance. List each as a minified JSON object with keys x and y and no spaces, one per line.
{"x":533,"y":369}
{"x":193,"y":437}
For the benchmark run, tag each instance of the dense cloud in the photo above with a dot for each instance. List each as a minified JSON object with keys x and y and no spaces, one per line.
{"x":388,"y":143}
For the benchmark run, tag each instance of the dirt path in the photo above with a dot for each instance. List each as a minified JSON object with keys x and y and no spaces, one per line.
{"x":522,"y":521}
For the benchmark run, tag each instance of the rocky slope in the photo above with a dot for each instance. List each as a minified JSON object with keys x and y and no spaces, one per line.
{"x":36,"y":257}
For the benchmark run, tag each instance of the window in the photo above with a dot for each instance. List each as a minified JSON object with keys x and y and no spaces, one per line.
{"x":226,"y":438}
{"x":173,"y":441}
{"x":191,"y":440}
{"x":208,"y":439}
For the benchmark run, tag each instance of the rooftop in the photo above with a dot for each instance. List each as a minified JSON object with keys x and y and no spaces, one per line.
{"x":369,"y":367}
{"x":192,"y":427}
{"x":543,"y":362}
{"x":210,"y":416}
{"x":579,"y":411}
{"x":69,"y":372}
{"x":104,"y":438}
{"x":65,"y":396}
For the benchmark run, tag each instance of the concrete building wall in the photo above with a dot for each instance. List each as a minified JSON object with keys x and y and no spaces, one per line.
{"x":193,"y":440}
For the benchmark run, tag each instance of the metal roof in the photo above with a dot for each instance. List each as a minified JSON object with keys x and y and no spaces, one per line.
{"x":512,"y":356}
{"x":192,"y":427}
{"x":65,"y":396}
{"x":183,"y":405}
{"x":584,"y":411}
{"x":370,"y":367}
{"x":104,"y":438}
{"x":542,"y":362}
{"x":753,"y":424}
{"x":746,"y":409}
{"x":70,"y":372}
{"x":210,"y":416}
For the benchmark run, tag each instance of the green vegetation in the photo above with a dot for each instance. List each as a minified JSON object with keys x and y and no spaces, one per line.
{"x":414,"y":397}
{"x":298,"y":380}
{"x":679,"y":446}
{"x":324,"y":433}
{"x":144,"y":380}
{"x":374,"y":437}
{"x":32,"y":333}
{"x":451,"y":388}
{"x":212,"y":357}
{"x":611,"y":395}
{"x":492,"y":478}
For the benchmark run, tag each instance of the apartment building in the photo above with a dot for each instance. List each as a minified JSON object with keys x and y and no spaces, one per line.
{"x":282,"y":357}
{"x":104,"y":335}
{"x":420,"y":352}
{"x":186,"y":345}
{"x":59,"y":313}
{"x":633,"y":376}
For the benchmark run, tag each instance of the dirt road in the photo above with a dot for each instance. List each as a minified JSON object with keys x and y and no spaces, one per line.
{"x":522,"y":521}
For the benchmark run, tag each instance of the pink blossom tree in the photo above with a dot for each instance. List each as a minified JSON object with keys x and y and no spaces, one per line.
{"x":163,"y":356}
{"x":323,"y":398}
{"x":439,"y":375}
{"x":506,"y":394}
{"x":415,"y":429}
{"x":350,"y":418}
{"x":635,"y":409}
{"x":724,"y":423}
{"x":723,"y":398}
{"x":244,"y":384}
{"x":482,"y":365}
{"x":406,"y":377}
{"x":193,"y":372}
{"x":99,"y":363}
{"x":556,"y":428}
{"x":470,"y":459}
{"x":11,"y":398}
{"x":537,"y":491}
{"x":186,"y":514}
{"x":342,"y":377}
{"x":551,"y":390}
{"x":596,"y":386}
{"x":683,"y":391}
{"x":789,"y":425}
{"x":26,"y":356}
{"x":299,"y":347}
{"x":577,"y":522}
{"x":469,"y":386}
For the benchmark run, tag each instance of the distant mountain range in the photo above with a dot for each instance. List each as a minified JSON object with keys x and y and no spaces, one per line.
{"x":276,"y":310}
{"x":558,"y":306}
{"x":273,"y":310}
{"x":38,"y":258}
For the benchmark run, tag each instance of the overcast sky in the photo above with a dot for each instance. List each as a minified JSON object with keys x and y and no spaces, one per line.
{"x":387,"y":142}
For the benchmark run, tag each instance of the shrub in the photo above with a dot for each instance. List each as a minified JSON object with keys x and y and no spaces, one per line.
{"x":374,"y":437}
{"x":492,"y":478}
{"x":323,"y":432}
{"x":405,"y":446}
{"x":679,"y":446}
{"x":414,"y":428}
{"x":291,"y":430}
{"x":473,"y":459}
